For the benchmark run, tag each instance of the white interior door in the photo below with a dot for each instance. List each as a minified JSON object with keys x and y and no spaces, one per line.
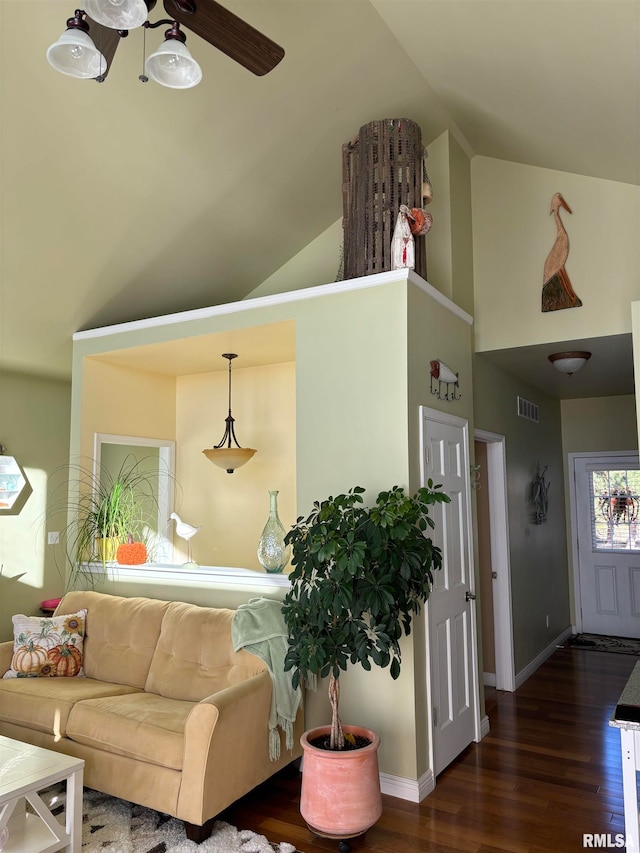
{"x":606,"y":495}
{"x":450,"y":612}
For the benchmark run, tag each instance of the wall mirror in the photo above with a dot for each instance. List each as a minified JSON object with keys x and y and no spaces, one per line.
{"x":154,"y":457}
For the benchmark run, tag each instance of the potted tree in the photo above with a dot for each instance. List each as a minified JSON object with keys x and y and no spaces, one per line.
{"x":359,"y":575}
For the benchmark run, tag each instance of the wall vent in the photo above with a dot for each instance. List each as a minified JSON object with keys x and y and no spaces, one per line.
{"x":528,"y":410}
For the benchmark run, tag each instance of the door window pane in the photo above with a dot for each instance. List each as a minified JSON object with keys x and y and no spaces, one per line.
{"x":615,"y":502}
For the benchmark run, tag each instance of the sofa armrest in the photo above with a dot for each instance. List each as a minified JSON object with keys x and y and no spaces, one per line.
{"x":6,"y":653}
{"x":226,"y":750}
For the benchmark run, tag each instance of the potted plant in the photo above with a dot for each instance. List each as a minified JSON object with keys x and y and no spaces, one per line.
{"x":108,"y":513}
{"x":359,"y":575}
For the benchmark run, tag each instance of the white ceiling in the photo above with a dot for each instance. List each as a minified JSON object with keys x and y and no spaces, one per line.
{"x":122,"y":201}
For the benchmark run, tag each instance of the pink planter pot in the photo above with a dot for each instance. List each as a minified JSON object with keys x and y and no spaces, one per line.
{"x":340,"y":796}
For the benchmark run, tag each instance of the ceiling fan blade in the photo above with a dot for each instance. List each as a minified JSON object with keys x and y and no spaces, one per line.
{"x":228,"y":33}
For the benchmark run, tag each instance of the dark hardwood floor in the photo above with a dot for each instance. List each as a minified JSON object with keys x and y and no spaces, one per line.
{"x":548,"y":771}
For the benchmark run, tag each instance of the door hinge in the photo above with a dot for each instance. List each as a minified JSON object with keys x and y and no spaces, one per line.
{"x":434,"y":716}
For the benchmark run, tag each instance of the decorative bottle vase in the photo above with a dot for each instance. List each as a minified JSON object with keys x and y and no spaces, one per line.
{"x":273,"y":554}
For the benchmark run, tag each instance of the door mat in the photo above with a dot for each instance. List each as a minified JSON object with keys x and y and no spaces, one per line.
{"x":601,"y":643}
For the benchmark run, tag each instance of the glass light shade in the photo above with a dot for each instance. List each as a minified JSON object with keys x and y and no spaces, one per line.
{"x":173,"y":66}
{"x":75,"y":55}
{"x":117,"y":14}
{"x":569,"y":362}
{"x":229,"y":458}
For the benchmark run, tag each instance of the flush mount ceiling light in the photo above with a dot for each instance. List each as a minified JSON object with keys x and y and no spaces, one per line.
{"x":224,"y":455}
{"x":569,"y":362}
{"x":87,"y":47}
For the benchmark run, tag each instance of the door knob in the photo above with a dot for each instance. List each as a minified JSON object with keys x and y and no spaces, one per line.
{"x":469,"y":596}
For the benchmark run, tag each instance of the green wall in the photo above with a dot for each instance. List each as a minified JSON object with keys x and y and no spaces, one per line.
{"x":34,"y":427}
{"x":592,"y":425}
{"x":538,"y":552}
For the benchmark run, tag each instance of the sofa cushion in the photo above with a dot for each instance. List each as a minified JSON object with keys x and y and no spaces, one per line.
{"x":194,"y":657}
{"x":142,"y":726}
{"x":121,"y":634}
{"x":45,"y":703}
{"x":47,"y":646}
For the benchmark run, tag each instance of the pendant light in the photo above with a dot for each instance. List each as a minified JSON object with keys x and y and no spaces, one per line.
{"x":224,"y":455}
{"x":172,"y":65}
{"x":75,"y":54}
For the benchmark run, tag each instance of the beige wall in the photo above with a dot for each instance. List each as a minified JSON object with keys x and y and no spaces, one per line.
{"x":125,"y":402}
{"x":538,"y":552}
{"x":513,"y":233}
{"x":34,"y":427}
{"x":233,"y":508}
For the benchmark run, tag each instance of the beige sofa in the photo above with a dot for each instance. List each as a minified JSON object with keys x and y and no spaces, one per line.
{"x":168,"y":716}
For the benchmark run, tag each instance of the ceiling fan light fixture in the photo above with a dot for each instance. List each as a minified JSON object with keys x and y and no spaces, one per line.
{"x":118,"y":14}
{"x":569,"y":362}
{"x":173,"y":66}
{"x":75,"y":55}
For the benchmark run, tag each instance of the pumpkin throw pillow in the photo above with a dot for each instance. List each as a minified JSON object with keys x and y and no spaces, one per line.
{"x":47,"y":646}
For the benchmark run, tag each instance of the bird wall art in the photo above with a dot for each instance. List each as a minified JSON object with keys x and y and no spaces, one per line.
{"x":557,"y":291}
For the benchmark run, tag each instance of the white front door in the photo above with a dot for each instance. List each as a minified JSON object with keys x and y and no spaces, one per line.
{"x":450,"y":611}
{"x":607,"y":520}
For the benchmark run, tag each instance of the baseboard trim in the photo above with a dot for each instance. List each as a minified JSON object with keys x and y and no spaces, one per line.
{"x":531,"y":667}
{"x":485,"y":727}
{"x":489,"y":679}
{"x":413,"y":790}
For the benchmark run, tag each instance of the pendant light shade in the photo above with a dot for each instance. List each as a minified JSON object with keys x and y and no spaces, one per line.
{"x":224,"y":455}
{"x":75,"y":55}
{"x":173,"y":66}
{"x":117,"y":14}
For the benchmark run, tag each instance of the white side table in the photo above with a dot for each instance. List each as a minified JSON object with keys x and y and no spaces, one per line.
{"x":626,"y":717}
{"x":24,"y":771}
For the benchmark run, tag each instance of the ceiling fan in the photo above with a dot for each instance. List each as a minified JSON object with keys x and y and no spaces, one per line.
{"x":87,"y":47}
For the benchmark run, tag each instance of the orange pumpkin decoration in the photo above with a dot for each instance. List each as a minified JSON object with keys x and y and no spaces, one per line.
{"x":66,"y":659}
{"x":131,"y":553}
{"x":29,"y":658}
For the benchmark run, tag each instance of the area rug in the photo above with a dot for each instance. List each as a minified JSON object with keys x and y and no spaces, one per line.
{"x":599,"y":643}
{"x":110,"y":825}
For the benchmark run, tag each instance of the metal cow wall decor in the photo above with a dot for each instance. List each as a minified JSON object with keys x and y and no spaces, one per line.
{"x":444,"y":382}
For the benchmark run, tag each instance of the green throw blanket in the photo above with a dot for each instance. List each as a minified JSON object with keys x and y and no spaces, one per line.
{"x":258,"y":627}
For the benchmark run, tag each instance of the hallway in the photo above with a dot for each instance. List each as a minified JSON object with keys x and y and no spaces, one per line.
{"x":548,"y":771}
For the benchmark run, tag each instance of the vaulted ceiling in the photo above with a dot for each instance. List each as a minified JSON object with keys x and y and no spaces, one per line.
{"x":127,"y":200}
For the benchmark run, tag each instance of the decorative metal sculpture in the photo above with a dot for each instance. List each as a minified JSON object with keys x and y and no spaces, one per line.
{"x":540,"y":495}
{"x":557,"y":291}
{"x":442,"y":375}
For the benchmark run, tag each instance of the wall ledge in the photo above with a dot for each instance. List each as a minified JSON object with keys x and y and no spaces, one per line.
{"x":211,"y":575}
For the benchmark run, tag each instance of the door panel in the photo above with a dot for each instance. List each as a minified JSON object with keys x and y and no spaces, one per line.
{"x":451,"y":627}
{"x":606,"y":508}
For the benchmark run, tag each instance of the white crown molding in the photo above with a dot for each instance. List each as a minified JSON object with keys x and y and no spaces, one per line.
{"x":278,"y":299}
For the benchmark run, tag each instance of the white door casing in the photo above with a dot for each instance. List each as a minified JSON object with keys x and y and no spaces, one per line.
{"x":500,"y":563}
{"x":606,"y":581}
{"x":452,"y":678}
